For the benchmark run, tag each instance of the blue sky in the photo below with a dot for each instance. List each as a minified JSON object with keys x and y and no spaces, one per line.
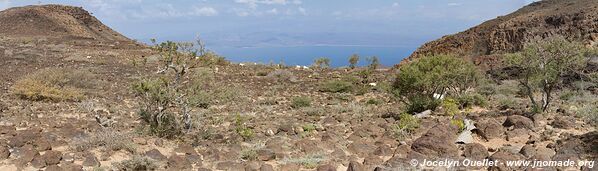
{"x":265,"y":23}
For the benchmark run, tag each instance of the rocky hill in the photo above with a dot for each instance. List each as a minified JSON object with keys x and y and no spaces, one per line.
{"x":55,"y":22}
{"x":576,"y":20}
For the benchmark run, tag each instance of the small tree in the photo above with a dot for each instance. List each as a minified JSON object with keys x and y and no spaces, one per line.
{"x":418,"y":81}
{"x":353,"y":60}
{"x":322,"y":63}
{"x":543,"y":64}
{"x":168,"y":99}
{"x":374,"y":63}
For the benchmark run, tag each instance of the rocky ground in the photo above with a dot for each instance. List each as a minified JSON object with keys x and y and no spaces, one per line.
{"x":338,"y":131}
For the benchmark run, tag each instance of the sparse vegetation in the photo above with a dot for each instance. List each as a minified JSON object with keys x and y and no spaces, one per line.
{"x":450,"y":107}
{"x":418,"y":81}
{"x":108,"y":139}
{"x":137,"y":163}
{"x":167,"y":100}
{"x":469,"y":100}
{"x":542,"y":66}
{"x":407,"y":124}
{"x":322,"y":63}
{"x":336,"y":86}
{"x":300,"y":102}
{"x":374,"y":63}
{"x":54,"y":85}
{"x":241,"y":128}
{"x":309,"y":161}
{"x":353,"y":60}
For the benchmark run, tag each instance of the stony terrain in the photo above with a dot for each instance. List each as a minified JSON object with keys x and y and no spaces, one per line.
{"x":572,"y":19}
{"x":352,"y":130}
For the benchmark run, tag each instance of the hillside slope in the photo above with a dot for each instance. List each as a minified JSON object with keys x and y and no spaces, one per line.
{"x":575,"y":20}
{"x":55,"y":22}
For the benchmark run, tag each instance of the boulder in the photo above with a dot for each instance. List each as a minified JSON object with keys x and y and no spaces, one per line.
{"x":475,"y":151}
{"x":563,"y":122}
{"x":490,"y":129}
{"x":518,"y":121}
{"x":438,"y":142}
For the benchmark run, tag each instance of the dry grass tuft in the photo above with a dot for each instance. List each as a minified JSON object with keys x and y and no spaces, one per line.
{"x":54,"y":85}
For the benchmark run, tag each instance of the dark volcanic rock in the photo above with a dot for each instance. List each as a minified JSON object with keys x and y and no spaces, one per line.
{"x":438,"y":141}
{"x":519,"y":121}
{"x":475,"y":151}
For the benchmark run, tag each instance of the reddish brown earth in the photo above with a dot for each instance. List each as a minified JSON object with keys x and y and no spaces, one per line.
{"x":339,"y":131}
{"x":576,"y":20}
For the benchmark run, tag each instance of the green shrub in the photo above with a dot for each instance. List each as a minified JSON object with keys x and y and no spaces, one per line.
{"x":300,"y":102}
{"x":459,"y":123}
{"x":450,"y":107}
{"x":137,"y":163}
{"x":420,"y":103}
{"x":322,"y":63}
{"x":471,"y":99}
{"x":374,"y":102}
{"x":407,"y":124}
{"x":241,"y":128}
{"x":419,"y":80}
{"x":336,"y":86}
{"x":505,"y":102}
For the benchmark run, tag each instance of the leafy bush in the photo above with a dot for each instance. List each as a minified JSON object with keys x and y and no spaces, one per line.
{"x":282,"y":76}
{"x":421,"y":103}
{"x":419,"y":80}
{"x":373,"y":63}
{"x":374,"y":102}
{"x":241,"y":128}
{"x":54,"y":85}
{"x":336,"y":86}
{"x":459,"y":123}
{"x":471,"y":99}
{"x":300,"y":102}
{"x":407,"y":124}
{"x":450,"y":107}
{"x":322,"y":63}
{"x":137,"y":163}
{"x":505,"y":102}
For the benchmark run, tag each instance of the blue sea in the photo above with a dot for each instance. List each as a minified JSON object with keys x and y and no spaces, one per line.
{"x":305,"y":55}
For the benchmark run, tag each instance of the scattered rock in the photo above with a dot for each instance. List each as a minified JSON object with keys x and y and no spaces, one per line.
{"x":52,"y":157}
{"x":38,"y":162}
{"x":229,"y":165}
{"x":528,"y":151}
{"x":543,"y":153}
{"x":361,"y":148}
{"x":438,"y":141}
{"x":355,"y":166}
{"x":519,"y":135}
{"x":155,"y":154}
{"x":563,"y":122}
{"x":326,"y":167}
{"x":4,"y":152}
{"x":502,"y":157}
{"x":178,"y":162}
{"x":91,"y":161}
{"x":518,"y":121}
{"x":490,"y":129}
{"x":265,"y":155}
{"x":266,"y":167}
{"x":475,"y":151}
{"x":252,"y":166}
